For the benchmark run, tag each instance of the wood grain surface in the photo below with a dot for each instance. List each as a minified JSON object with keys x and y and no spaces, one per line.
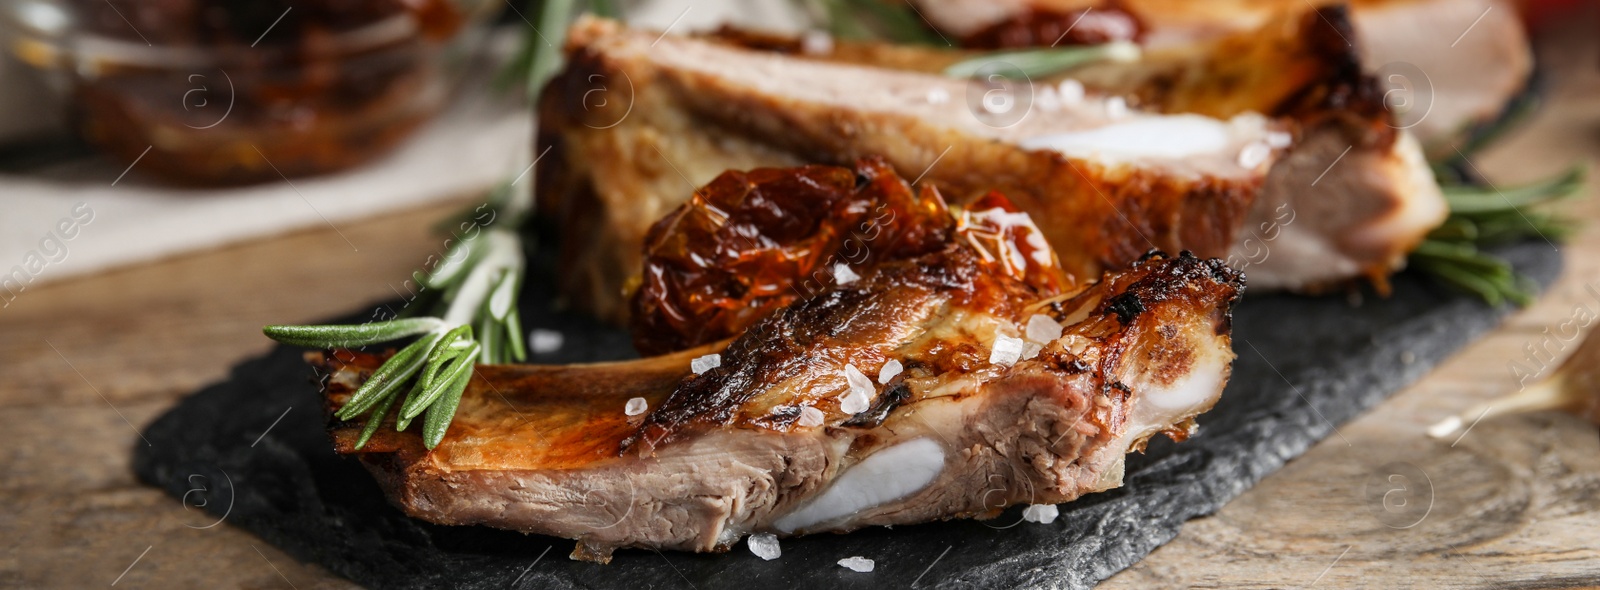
{"x":1513,"y":503}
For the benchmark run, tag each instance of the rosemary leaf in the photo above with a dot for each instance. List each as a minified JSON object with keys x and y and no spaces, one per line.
{"x":1461,"y":255}
{"x":1491,"y":292}
{"x":422,"y":300}
{"x":389,"y":377}
{"x":375,"y":419}
{"x":424,"y":392}
{"x":1500,"y":229}
{"x":440,"y":385}
{"x":1455,"y":228}
{"x":845,"y":23}
{"x":353,"y":335}
{"x":454,"y":341}
{"x":519,"y":351}
{"x":489,"y":337}
{"x":540,"y":53}
{"x":401,"y":422}
{"x":1513,"y":115}
{"x":503,"y":250}
{"x":459,"y":258}
{"x":442,"y":354}
{"x":1470,"y":200}
{"x":1044,"y":62}
{"x":553,"y":18}
{"x":1483,"y":216}
{"x":604,"y":8}
{"x":437,"y":421}
{"x":495,"y":202}
{"x":895,"y":22}
{"x":417,"y":389}
{"x":504,"y":295}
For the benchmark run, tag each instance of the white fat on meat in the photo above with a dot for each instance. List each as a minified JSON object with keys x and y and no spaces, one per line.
{"x":1176,"y":136}
{"x":1163,"y":404}
{"x":885,"y":476}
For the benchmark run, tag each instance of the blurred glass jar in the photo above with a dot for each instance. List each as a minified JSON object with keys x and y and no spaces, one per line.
{"x":230,"y":92}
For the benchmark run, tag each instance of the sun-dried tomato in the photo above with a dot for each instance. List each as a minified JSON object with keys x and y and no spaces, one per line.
{"x":751,"y":242}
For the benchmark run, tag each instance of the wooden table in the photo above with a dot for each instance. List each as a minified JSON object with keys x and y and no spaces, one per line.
{"x":1515,"y":502}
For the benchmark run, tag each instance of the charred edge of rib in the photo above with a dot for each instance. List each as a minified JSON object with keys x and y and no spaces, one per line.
{"x":1121,"y":388}
{"x":1127,"y":306}
{"x":1347,"y":93}
{"x":780,"y":418}
{"x":753,"y":358}
{"x":1166,"y":281}
{"x":897,"y":393}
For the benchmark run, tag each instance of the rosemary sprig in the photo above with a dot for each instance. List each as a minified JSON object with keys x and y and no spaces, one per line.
{"x":539,"y":55}
{"x":1485,"y":216}
{"x":895,"y":22}
{"x":472,"y":293}
{"x":475,"y":321}
{"x":1477,"y":137}
{"x":352,"y":336}
{"x":1036,"y":63}
{"x":1473,"y":200}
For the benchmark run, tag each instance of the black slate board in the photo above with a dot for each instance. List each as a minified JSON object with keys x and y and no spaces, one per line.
{"x":1305,"y":365}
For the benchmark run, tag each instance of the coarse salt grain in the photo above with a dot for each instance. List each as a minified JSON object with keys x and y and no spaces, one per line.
{"x":1046,"y":99}
{"x":765,"y":546}
{"x":636,"y":406}
{"x":705,"y":363}
{"x":1254,"y":154}
{"x":816,"y":43}
{"x":1072,"y":92}
{"x":856,"y":400}
{"x":852,"y":403}
{"x":541,"y":341}
{"x":1042,"y":328}
{"x":857,"y":563}
{"x":1006,"y":350}
{"x":889,"y":370}
{"x":1031,"y":350}
{"x":810,"y":417}
{"x":1041,"y":513}
{"x":843,"y":275}
{"x":1122,"y":51}
{"x":859,"y":383}
{"x":1116,"y":107}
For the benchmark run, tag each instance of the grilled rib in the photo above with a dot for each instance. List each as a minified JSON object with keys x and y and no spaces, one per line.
{"x":771,"y":441}
{"x":1470,"y":57}
{"x":1351,"y":199}
{"x":1104,"y":183}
